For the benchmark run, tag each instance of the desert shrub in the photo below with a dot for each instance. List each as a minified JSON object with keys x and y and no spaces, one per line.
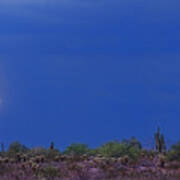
{"x":52,"y":154}
{"x":148,"y":153}
{"x":174,"y":152}
{"x":37,"y":151}
{"x":77,"y":149}
{"x":113,"y":149}
{"x":132,"y":142}
{"x":15,"y":148}
{"x":49,"y":172}
{"x":117,"y":149}
{"x":5,"y":169}
{"x":173,"y":165}
{"x":176,"y":147}
{"x":92,"y":152}
{"x":134,"y":153}
{"x":47,"y":153}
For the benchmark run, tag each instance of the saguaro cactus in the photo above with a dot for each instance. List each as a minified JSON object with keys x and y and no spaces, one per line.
{"x":163,"y":144}
{"x":52,"y":146}
{"x":157,"y":140}
{"x":2,"y":148}
{"x":160,"y":142}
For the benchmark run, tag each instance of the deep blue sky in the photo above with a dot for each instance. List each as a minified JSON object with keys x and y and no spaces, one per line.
{"x":89,"y":71}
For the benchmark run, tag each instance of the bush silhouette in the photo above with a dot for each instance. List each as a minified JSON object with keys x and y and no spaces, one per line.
{"x":174,"y":152}
{"x":15,"y":148}
{"x":118,"y":149}
{"x":77,"y":149}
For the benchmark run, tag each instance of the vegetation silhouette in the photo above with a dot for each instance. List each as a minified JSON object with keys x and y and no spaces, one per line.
{"x":114,"y":160}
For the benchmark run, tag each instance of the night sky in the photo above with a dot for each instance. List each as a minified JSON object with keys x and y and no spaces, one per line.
{"x":89,"y":71}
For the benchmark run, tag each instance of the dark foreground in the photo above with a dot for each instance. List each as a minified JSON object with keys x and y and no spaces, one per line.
{"x":87,"y":168}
